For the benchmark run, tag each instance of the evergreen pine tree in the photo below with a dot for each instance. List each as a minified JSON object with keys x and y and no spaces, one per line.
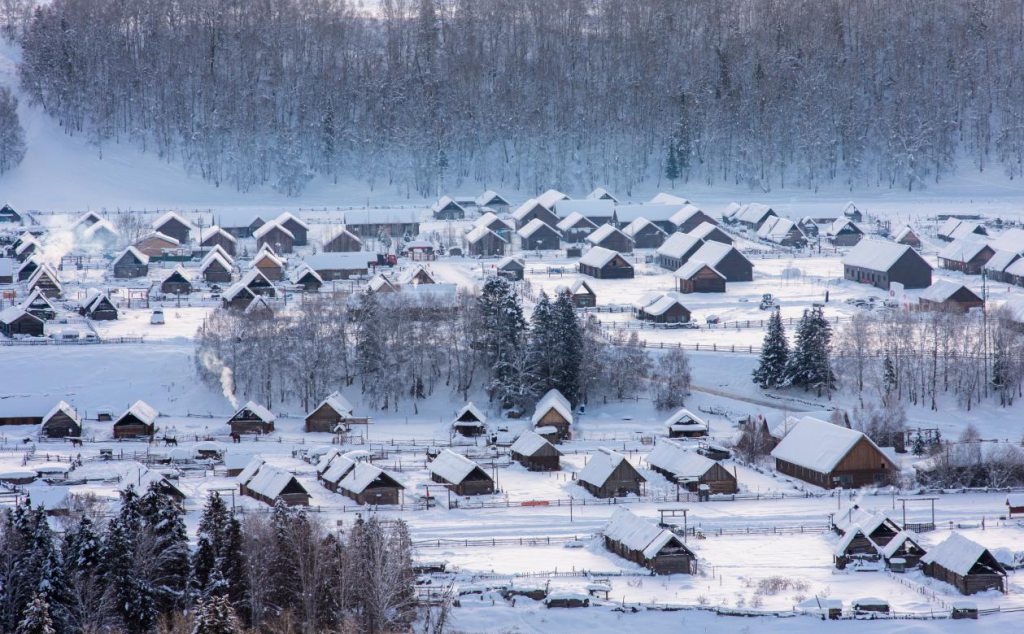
{"x":37,"y":617}
{"x":888,"y":375}
{"x":541,"y":352}
{"x":672,"y":165}
{"x":504,"y":329}
{"x":82,"y":547}
{"x":917,"y":446}
{"x":797,"y":372}
{"x":46,"y":570}
{"x":164,"y":519}
{"x":133,"y":597}
{"x":568,"y":348}
{"x":214,"y":615}
{"x":771,"y":371}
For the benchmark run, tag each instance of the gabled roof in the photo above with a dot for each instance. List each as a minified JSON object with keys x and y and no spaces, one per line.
{"x":287,"y":216}
{"x":574,"y":219}
{"x":522,"y":210}
{"x":817,"y":445}
{"x":533,"y":226}
{"x":694,"y":266}
{"x":210,"y":232}
{"x":669,"y":199}
{"x":445,"y":201}
{"x":86,"y":220}
{"x":600,"y":193}
{"x":35,"y":297}
{"x":141,"y":410}
{"x":753,"y":213}
{"x":489,"y":197}
{"x":605,"y":231}
{"x":574,"y":287}
{"x":777,"y":229}
{"x":843,"y":224}
{"x":212,"y":257}
{"x":381,"y":281}
{"x":49,"y":273}
{"x":1000,"y":260}
{"x":258,"y":303}
{"x":338,"y":403}
{"x":223,"y":253}
{"x":682,"y":463}
{"x":714,"y":252}
{"x":964,"y":249}
{"x":685,"y":214}
{"x":268,"y":226}
{"x":550,"y":197}
{"x":343,"y":230}
{"x":943,"y":290}
{"x":588,"y":208}
{"x":475,"y":414}
{"x":453,"y":467}
{"x":903,"y":233}
{"x":481,"y":232}
{"x":640,"y":535}
{"x":529,"y":443}
{"x":662,"y":305}
{"x":965,"y":229}
{"x":635,"y":227}
{"x":684,"y":417}
{"x":958,"y":554}
{"x":363,"y":475}
{"x":25,"y":244}
{"x":598,"y":257}
{"x":876,"y":255}
{"x":678,"y":244}
{"x":261,"y":412}
{"x":156,"y":235}
{"x":170,"y":215}
{"x":11,"y":314}
{"x":510,"y":261}
{"x":655,"y":212}
{"x":948,"y":226}
{"x":138,"y":255}
{"x":488,"y":219}
{"x":100,"y":226}
{"x":61,"y":407}
{"x":601,"y":466}
{"x":267,"y":253}
{"x":179,"y":271}
{"x":338,"y":466}
{"x":853,"y":533}
{"x":1009,"y":240}
{"x":896,"y":542}
{"x":304,"y":270}
{"x":407,"y":276}
{"x":552,"y":400}
{"x":270,"y":481}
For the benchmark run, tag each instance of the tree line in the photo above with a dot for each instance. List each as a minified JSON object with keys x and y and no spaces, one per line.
{"x":427,"y":95}
{"x":136,"y":573}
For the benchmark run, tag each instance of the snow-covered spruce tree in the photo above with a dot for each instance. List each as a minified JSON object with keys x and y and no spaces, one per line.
{"x":45,"y":569}
{"x":810,"y":364}
{"x":503,"y":338}
{"x":122,"y":568}
{"x":12,"y":135}
{"x":371,"y":353}
{"x":541,"y":347}
{"x":169,"y":571}
{"x":214,"y":615}
{"x":37,"y":617}
{"x":567,"y":346}
{"x":771,"y":370}
{"x":216,"y":562}
{"x":672,"y":380}
{"x":672,"y":165}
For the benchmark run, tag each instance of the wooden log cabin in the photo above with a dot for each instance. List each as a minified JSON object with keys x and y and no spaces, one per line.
{"x":482,"y":242}
{"x":295,"y":226}
{"x":491,"y":199}
{"x":97,"y":306}
{"x":137,"y":421}
{"x":344,"y":241}
{"x":878,"y":526}
{"x":645,"y":543}
{"x":554,"y":410}
{"x":608,"y":474}
{"x":645,"y":234}
{"x":447,"y":209}
{"x":906,"y":235}
{"x":16,"y":321}
{"x":903,"y":545}
{"x":61,"y":422}
{"x":538,"y":235}
{"x":710,"y":232}
{"x":252,"y":419}
{"x":699,"y":277}
{"x":727,"y":260}
{"x":967,"y":255}
{"x":828,"y":456}
{"x":661,"y":308}
{"x":605,"y":264}
{"x":579,"y":292}
{"x":608,"y":236}
{"x":469,"y":421}
{"x":878,"y":263}
{"x":308,"y":280}
{"x":158,"y":245}
{"x":177,"y":283}
{"x":685,"y":424}
{"x":535,"y":452}
{"x":677,"y":250}
{"x":844,"y":233}
{"x":40,"y":305}
{"x":276,"y":237}
{"x":966,"y":565}
{"x":175,"y":226}
{"x":270,"y":484}
{"x":215,"y":268}
{"x":690,"y":469}
{"x":576,"y":227}
{"x":367,"y":484}
{"x":690,"y":218}
{"x":131,"y":263}
{"x":513,"y":269}
{"x":217,"y":237}
{"x":332,"y":413}
{"x":533,"y":210}
{"x":949,"y":296}
{"x":1014,"y":504}
{"x":855,"y":548}
{"x":461,"y":475}
{"x":46,"y":281}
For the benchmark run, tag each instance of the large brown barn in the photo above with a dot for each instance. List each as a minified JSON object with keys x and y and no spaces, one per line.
{"x":878,"y":263}
{"x":645,"y":543}
{"x":829,"y":456}
{"x":964,"y":564}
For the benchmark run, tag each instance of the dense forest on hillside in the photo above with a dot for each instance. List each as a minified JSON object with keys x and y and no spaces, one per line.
{"x":427,"y":94}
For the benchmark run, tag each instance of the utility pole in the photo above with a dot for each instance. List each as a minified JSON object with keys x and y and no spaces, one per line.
{"x":984,"y":324}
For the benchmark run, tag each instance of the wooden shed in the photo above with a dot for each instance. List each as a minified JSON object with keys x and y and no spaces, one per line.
{"x":949,"y":296}
{"x":367,"y":484}
{"x":906,"y":235}
{"x":579,"y":292}
{"x":879,"y":527}
{"x":685,"y":424}
{"x":513,"y":269}
{"x":333,"y":411}
{"x":215,"y":268}
{"x":710,"y":232}
{"x":677,"y":250}
{"x":15,"y":320}
{"x":252,"y":419}
{"x":177,"y":283}
{"x":275,"y":236}
{"x":218,"y":237}
{"x":967,"y":255}
{"x":533,"y":210}
{"x":699,"y":277}
{"x":296,"y":226}
{"x":605,"y":264}
{"x":844,"y":233}
{"x":690,"y":218}
{"x":491,"y":199}
{"x":269,"y":264}
{"x":40,"y":305}
{"x":964,"y":564}
{"x":460,"y":474}
{"x":855,"y":548}
{"x":554,"y":410}
{"x":484,"y":242}
{"x":608,"y":236}
{"x":470,"y":421}
{"x":538,"y":235}
{"x":137,"y":421}
{"x":576,"y":227}
{"x":130,"y":263}
{"x":727,"y":260}
{"x":903,"y":545}
{"x":158,"y":245}
{"x":662,"y":308}
{"x":60,"y":422}
{"x":878,"y":263}
{"x":828,"y":456}
{"x":306,"y":278}
{"x":690,"y":469}
{"x":97,"y":306}
{"x":1014,"y":504}
{"x":608,"y":474}
{"x":645,"y":234}
{"x":344,"y":242}
{"x":535,"y":452}
{"x":45,"y":279}
{"x":270,"y":484}
{"x":644,"y":542}
{"x":175,"y":226}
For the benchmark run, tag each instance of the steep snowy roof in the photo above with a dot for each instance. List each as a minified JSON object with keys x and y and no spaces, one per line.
{"x":219,"y":250}
{"x":684,"y":214}
{"x":777,"y":229}
{"x":338,"y":403}
{"x":1000,"y":261}
{"x":947,"y":227}
{"x":964,"y":249}
{"x":529,"y":443}
{"x":550,"y":197}
{"x":12,"y":313}
{"x":598,"y":257}
{"x":270,"y":481}
{"x":753,"y":212}
{"x":452,"y":467}
{"x":694,"y":266}
{"x":956,"y":554}
{"x":268,"y":226}
{"x":589,"y":208}
{"x":703,"y":230}
{"x":250,"y":469}
{"x":288,"y":216}
{"x":851,"y":534}
{"x":552,"y":400}
{"x":533,"y":226}
{"x":408,"y":275}
{"x":903,"y":233}
{"x":442,"y":202}
{"x":479,"y":233}
{"x":679,"y":461}
{"x":266,"y":253}
{"x":843,"y":224}
{"x":338,"y":467}
{"x":489,"y":197}
{"x":169,"y":216}
{"x":138,"y":255}
{"x":896,"y":542}
{"x":678,"y":244}
{"x":101,"y":226}
{"x":143,"y":411}
{"x":525,"y":208}
{"x":669,"y":199}
{"x":663,"y":304}
{"x":655,"y":212}
{"x":603,"y":232}
{"x":638,"y":225}
{"x":61,"y":407}
{"x":1016,"y":269}
{"x":714,"y":252}
{"x":875,"y":255}
{"x":574,"y":287}
{"x":600,"y":466}
{"x":509,"y":261}
{"x":475,"y":414}
{"x":942,"y":290}
{"x":488,"y":219}
{"x":30,"y":241}
{"x":638,"y":534}
{"x":210,"y":232}
{"x":303,"y":270}
{"x":259,"y":411}
{"x":363,"y":475}
{"x":965,"y":229}
{"x":817,"y":445}
{"x":35,"y":298}
{"x":683,"y":416}
{"x":601,"y":193}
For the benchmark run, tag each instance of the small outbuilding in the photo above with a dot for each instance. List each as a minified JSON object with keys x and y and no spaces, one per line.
{"x":60,"y":422}
{"x":645,"y":234}
{"x":16,"y":321}
{"x":699,"y":277}
{"x":949,"y":296}
{"x":460,"y":474}
{"x":217,"y":237}
{"x":605,"y":264}
{"x":535,"y":452}
{"x":608,"y":236}
{"x":967,"y":255}
{"x":470,"y":421}
{"x":644,"y":542}
{"x":130,"y":263}
{"x":685,"y":424}
{"x":137,"y":421}
{"x":844,"y":233}
{"x":554,"y":410}
{"x":608,"y":474}
{"x":215,"y":268}
{"x":538,"y":235}
{"x":964,"y":564}
{"x":270,"y":484}
{"x":1015,"y":504}
{"x":690,"y":469}
{"x":252,"y":419}
{"x":367,"y":484}
{"x":275,"y":236}
{"x":579,"y":292}
{"x":906,"y":235}
{"x":177,"y":283}
{"x":513,"y":269}
{"x":879,"y":262}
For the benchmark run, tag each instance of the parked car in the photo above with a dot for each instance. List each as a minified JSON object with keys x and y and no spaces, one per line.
{"x":157,"y":318}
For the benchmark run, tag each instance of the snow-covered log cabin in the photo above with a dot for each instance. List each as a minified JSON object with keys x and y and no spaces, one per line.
{"x":608,"y":474}
{"x":461,"y":475}
{"x":966,"y":565}
{"x":828,"y":456}
{"x":644,"y":542}
{"x":535,"y":452}
{"x":252,"y":419}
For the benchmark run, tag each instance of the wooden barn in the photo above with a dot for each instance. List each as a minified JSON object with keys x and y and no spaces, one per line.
{"x":727,"y":260}
{"x":343,"y":242}
{"x":340,"y":266}
{"x":513,"y":269}
{"x":906,"y":235}
{"x":372,"y":223}
{"x":269,"y":484}
{"x":783,"y":232}
{"x":491,"y":199}
{"x":8,"y":214}
{"x":690,"y":218}
{"x":483,"y":242}
{"x":661,"y":308}
{"x":903,"y":545}
{"x":470,"y":421}
{"x":752,"y":215}
{"x":215,"y":269}
{"x":855,"y":548}
{"x":333,"y":468}
{"x":45,"y":279}
{"x":677,"y":250}
{"x":685,"y":424}
{"x":130,"y":264}
{"x":690,"y":469}
{"x":710,"y":232}
{"x":645,"y":234}
{"x":332,"y":412}
{"x":828,"y":456}
{"x":276,"y":237}
{"x":535,"y":452}
{"x":576,"y":227}
{"x":137,"y":421}
{"x":967,"y":255}
{"x":699,"y":277}
{"x":954,"y":228}
{"x":26,"y":249}
{"x":306,"y":278}
{"x":608,"y":236}
{"x":61,"y":422}
{"x":177,"y":283}
{"x":27,"y":269}
{"x":533,"y":210}
{"x":600,"y":193}
{"x":157,"y":245}
{"x":949,"y":296}
{"x":367,"y":484}
{"x":500,"y":226}
{"x":579,"y":292}
{"x":538,"y":235}
{"x":461,"y":475}
{"x":605,"y":264}
{"x":296,"y":226}
{"x":269,"y":264}
{"x":964,"y":564}
{"x":252,"y":419}
{"x":40,"y":305}
{"x":609,"y":475}
{"x":877,"y":526}
{"x":447,"y":209}
{"x":1014,"y":504}
{"x":97,"y":306}
{"x":173,"y":225}
{"x":554,"y":410}
{"x":998,"y":266}
{"x":217,"y":237}
{"x":644,"y":542}
{"x":844,"y":233}
{"x":878,"y":263}
{"x":15,"y":320}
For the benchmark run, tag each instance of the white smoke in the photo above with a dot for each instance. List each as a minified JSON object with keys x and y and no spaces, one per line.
{"x":213,"y":364}
{"x":54,"y":246}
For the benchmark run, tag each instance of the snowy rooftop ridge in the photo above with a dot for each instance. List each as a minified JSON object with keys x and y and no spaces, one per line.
{"x":817,"y":445}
